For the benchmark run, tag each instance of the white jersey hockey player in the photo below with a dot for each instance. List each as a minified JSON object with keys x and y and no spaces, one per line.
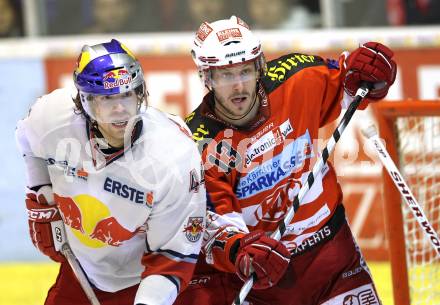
{"x":126,"y":180}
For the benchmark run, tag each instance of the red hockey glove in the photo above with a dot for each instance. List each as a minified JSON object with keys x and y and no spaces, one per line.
{"x":265,"y":256}
{"x":372,"y":62}
{"x":40,"y":215}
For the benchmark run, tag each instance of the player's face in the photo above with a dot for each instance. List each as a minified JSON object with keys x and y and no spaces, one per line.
{"x":112,"y":114}
{"x":235,"y":88}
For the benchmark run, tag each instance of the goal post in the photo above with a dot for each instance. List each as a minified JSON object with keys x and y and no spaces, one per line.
{"x":411,"y":131}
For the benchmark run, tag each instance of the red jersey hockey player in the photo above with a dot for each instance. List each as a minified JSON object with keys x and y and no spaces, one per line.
{"x":256,"y":128}
{"x":125,"y":180}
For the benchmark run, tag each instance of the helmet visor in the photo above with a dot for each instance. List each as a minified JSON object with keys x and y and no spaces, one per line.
{"x":229,"y":76}
{"x":116,"y":108}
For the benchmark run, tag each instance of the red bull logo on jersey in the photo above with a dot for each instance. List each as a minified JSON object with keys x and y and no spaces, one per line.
{"x":91,"y":222}
{"x":70,"y":212}
{"x":194,"y":228}
{"x":128,"y":192}
{"x":116,"y":78}
{"x":111,"y":232}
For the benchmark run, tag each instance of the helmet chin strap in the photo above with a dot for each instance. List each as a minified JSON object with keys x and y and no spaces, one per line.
{"x":220,"y":109}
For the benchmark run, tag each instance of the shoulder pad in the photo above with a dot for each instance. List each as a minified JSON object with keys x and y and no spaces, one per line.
{"x":280,"y":69}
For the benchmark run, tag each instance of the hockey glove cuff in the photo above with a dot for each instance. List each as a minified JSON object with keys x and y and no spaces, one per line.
{"x":265,"y":256}
{"x":40,"y":215}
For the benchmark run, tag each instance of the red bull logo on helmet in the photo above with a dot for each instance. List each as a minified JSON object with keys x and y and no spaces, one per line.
{"x":194,"y":228}
{"x":116,"y":78}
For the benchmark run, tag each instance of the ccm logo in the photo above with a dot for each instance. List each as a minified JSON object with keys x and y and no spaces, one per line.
{"x":42,"y":214}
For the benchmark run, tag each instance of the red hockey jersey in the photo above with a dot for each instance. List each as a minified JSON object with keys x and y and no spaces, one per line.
{"x":252,"y":174}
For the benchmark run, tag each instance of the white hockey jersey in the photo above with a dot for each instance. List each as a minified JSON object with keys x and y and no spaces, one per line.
{"x":142,"y":211}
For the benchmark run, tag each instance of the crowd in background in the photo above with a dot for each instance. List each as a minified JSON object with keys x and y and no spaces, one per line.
{"x":11,"y":21}
{"x":66,"y":17}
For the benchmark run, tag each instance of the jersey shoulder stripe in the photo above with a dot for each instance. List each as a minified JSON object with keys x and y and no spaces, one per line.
{"x":284,"y":67}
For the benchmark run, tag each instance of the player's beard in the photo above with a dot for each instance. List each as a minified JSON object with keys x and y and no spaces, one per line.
{"x":234,"y":111}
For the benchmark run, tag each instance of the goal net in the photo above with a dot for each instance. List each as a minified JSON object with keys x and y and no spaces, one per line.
{"x":411,"y":131}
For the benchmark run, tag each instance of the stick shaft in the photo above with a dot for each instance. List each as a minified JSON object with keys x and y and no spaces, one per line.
{"x":82,"y":279}
{"x":406,"y":193}
{"x":360,"y":94}
{"x":61,"y":244}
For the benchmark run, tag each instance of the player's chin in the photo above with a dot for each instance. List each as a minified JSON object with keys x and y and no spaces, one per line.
{"x":241,"y":109}
{"x":117,"y":131}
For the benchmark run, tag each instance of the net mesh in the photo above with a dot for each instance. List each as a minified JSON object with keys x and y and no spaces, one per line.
{"x":419,"y":153}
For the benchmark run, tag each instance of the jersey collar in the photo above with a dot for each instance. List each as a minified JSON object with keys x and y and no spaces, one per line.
{"x":109,"y":154}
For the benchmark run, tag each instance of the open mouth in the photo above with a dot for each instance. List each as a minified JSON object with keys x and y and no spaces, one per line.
{"x":239,"y":100}
{"x":120,"y":124}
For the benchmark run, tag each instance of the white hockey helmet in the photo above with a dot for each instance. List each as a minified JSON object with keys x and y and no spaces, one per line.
{"x":224,"y":43}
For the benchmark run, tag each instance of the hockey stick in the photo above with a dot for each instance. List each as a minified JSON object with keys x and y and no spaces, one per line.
{"x":62,"y":245}
{"x":371,"y":133}
{"x":360,"y":94}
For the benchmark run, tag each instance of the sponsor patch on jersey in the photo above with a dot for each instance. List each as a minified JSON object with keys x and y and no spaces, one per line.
{"x":261,"y":132}
{"x":282,"y":68}
{"x":128,"y":192}
{"x":200,"y":133}
{"x":299,"y":227}
{"x":69,"y":171}
{"x":228,"y":34}
{"x":364,"y":295}
{"x":194,"y":229}
{"x":202,"y":280}
{"x":95,"y":229}
{"x":311,"y":240}
{"x":116,"y":78}
{"x":150,"y":199}
{"x":269,"y":173}
{"x":268,"y":141}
